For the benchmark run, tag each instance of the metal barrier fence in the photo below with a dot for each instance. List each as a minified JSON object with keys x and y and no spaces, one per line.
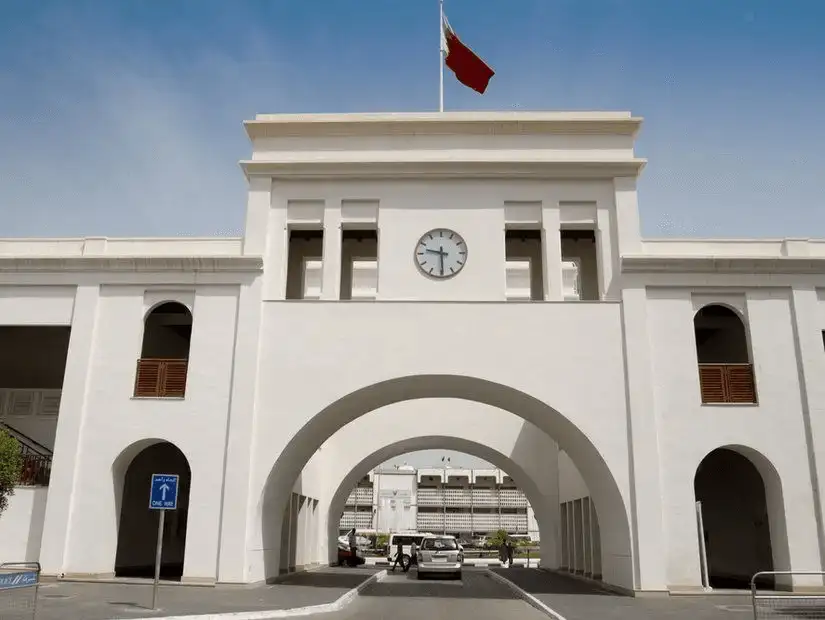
{"x":786,"y":605}
{"x":19,"y":584}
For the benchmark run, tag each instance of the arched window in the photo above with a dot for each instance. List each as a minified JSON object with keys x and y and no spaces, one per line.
{"x":138,"y":526}
{"x":725,"y":369}
{"x":735,"y":517}
{"x":164,"y":358}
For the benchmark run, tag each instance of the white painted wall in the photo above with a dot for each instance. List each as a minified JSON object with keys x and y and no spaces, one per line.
{"x":294,"y":349}
{"x":519,"y":448}
{"x":21,"y":525}
{"x":394,"y":498}
{"x":114,"y":425}
{"x":571,"y":484}
{"x":689,"y":430}
{"x":474,"y":209}
{"x":614,"y":383}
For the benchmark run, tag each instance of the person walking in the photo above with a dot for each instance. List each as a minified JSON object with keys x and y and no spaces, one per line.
{"x":399,"y":557}
{"x":353,"y":547}
{"x":502,"y":553}
{"x":509,"y":554}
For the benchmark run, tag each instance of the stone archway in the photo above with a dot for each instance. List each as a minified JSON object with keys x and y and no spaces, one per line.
{"x":137,"y":524}
{"x":617,"y":555}
{"x":743,"y":516}
{"x":544,"y":510}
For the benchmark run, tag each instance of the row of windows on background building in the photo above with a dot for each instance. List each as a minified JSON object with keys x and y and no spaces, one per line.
{"x":524,"y":259}
{"x":725,"y":368}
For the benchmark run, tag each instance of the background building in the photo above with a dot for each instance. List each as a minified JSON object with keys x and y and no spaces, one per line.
{"x":461,"y":502}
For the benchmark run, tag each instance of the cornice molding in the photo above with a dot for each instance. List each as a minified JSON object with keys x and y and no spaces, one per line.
{"x":786,"y":265}
{"x":441,"y":123}
{"x":131,"y":264}
{"x":510,"y":169}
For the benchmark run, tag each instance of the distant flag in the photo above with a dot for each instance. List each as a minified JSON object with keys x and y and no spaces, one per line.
{"x":468,"y":68}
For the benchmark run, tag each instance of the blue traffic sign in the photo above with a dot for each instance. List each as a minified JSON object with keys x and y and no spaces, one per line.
{"x":164,"y":493}
{"x":24,"y":579}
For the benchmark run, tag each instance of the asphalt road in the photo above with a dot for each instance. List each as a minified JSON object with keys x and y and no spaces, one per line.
{"x":400,"y":596}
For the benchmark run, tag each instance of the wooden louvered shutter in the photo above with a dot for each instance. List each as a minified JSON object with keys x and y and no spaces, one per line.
{"x":741,"y":387}
{"x":712,"y":382}
{"x":148,"y":378}
{"x":174,"y":378}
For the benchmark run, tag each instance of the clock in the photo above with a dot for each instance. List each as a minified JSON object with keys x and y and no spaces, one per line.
{"x":441,"y":253}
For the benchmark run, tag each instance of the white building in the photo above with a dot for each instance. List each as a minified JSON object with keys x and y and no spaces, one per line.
{"x":458,"y":501}
{"x":271,"y":372}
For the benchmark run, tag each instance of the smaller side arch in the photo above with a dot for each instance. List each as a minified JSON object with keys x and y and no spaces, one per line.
{"x":164,"y":358}
{"x":137,"y":524}
{"x":724,"y":355}
{"x":743,"y":512}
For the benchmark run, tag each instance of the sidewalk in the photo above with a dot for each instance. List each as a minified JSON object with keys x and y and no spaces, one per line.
{"x":105,"y":601}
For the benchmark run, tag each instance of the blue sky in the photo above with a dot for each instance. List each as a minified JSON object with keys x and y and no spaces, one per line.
{"x":124,"y":118}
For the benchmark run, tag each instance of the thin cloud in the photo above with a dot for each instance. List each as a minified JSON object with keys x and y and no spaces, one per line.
{"x":125,"y":142}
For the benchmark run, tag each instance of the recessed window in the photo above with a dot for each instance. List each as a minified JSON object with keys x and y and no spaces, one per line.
{"x":305,"y":264}
{"x":725,"y":369}
{"x":164,"y":360}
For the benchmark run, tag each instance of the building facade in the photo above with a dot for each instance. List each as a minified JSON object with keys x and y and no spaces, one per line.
{"x":465,"y":503}
{"x":463,"y":281}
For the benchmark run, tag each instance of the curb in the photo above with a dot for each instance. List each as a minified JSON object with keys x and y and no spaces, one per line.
{"x":337,"y":605}
{"x":526,"y":596}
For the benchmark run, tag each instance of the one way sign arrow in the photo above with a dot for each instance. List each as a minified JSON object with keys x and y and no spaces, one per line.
{"x":164,"y":492}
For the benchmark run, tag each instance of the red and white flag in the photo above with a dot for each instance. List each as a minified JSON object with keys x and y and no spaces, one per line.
{"x":468,"y":68}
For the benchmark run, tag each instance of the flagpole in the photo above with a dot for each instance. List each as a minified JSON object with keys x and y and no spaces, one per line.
{"x":441,"y":56}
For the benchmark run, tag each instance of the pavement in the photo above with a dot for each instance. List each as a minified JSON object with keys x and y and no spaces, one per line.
{"x":402,"y":596}
{"x":478,"y":595}
{"x":576,"y":599}
{"x":66,"y":600}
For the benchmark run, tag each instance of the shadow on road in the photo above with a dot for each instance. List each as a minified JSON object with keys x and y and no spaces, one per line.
{"x":546,"y":582}
{"x":344,"y":578}
{"x":474,"y":584}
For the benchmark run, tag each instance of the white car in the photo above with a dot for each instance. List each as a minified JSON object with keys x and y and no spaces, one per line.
{"x":439,"y":555}
{"x":407,"y":540}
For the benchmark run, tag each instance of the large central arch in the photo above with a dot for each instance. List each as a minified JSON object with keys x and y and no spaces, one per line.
{"x":523,"y":480}
{"x":617,"y":557}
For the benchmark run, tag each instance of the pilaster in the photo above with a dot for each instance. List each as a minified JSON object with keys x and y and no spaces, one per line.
{"x":331,"y":276}
{"x":551,"y":246}
{"x":276,"y":254}
{"x":239,"y":443}
{"x":807,"y":329}
{"x":68,"y":445}
{"x":257,"y":215}
{"x":606,"y":254}
{"x":643,"y":443}
{"x":628,"y":230}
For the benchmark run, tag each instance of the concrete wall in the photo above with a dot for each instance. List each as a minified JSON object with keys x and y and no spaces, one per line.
{"x":102,"y":427}
{"x":571,"y":484}
{"x":614,"y":383}
{"x":475,"y":209}
{"x":21,"y":525}
{"x":315,"y":371}
{"x":773,"y":431}
{"x":519,"y":448}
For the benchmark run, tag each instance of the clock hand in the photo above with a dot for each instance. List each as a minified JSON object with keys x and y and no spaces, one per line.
{"x":441,"y":255}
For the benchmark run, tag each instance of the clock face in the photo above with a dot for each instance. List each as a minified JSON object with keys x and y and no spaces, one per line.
{"x":441,"y":253}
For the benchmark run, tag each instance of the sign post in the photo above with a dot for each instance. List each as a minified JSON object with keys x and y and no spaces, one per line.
{"x":163,"y":496}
